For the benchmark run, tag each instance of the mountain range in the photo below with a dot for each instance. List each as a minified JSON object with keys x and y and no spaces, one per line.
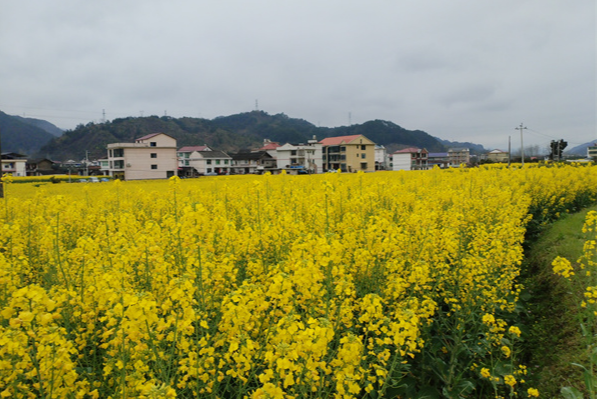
{"x":25,"y":135}
{"x":580,"y":149}
{"x":40,"y":139}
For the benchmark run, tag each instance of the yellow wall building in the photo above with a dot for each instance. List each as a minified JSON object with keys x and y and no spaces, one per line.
{"x":348,"y":153}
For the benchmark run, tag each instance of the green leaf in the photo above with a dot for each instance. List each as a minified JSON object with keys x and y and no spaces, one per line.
{"x":466,"y":387}
{"x":571,"y":393}
{"x":590,"y":381}
{"x":428,"y":392}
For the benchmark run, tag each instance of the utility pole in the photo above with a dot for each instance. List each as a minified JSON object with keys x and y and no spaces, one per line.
{"x":1,"y":183}
{"x":86,"y":164}
{"x":521,"y":127}
{"x":509,"y":151}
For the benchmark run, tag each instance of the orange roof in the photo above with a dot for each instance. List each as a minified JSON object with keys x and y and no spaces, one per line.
{"x":409,"y":150}
{"x":270,"y":146}
{"x":339,"y":140}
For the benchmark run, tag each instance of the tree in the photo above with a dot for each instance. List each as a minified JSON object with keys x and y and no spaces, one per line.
{"x":557,"y":149}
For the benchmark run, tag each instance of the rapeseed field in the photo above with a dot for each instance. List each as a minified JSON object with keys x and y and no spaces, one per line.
{"x":388,"y":284}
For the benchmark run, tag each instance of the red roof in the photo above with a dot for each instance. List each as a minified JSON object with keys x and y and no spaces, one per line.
{"x":194,"y":148}
{"x":408,"y":150}
{"x":148,"y":136}
{"x":339,"y":140}
{"x":270,"y":146}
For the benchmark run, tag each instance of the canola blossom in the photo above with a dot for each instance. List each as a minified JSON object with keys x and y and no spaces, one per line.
{"x":336,"y":285}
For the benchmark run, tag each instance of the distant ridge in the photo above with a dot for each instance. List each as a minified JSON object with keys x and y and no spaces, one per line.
{"x":21,"y":136}
{"x":228,"y":133}
{"x":42,"y":124}
{"x":580,"y":149}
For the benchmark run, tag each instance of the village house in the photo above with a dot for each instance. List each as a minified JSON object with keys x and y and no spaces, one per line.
{"x":440,"y":159}
{"x":592,"y":152}
{"x":498,"y":156}
{"x":458,"y":156}
{"x":41,"y":167}
{"x":348,"y":153}
{"x":255,"y":162}
{"x":153,"y":156}
{"x":13,"y":163}
{"x":411,"y":158}
{"x":381,"y":158}
{"x":270,"y":147}
{"x":202,"y":160}
{"x":295,"y":158}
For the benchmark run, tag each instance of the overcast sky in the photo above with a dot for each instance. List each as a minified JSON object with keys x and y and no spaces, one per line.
{"x":461,"y":70}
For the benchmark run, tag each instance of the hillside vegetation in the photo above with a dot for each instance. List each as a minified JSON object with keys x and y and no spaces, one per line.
{"x":21,"y":136}
{"x":228,"y":133}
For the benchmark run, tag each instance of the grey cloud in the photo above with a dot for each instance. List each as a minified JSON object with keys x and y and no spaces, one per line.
{"x":454,"y":69}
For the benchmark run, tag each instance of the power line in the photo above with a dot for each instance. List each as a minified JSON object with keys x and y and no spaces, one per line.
{"x":551,"y":137}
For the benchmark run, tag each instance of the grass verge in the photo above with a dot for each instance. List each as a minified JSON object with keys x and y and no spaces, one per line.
{"x":556,"y":344}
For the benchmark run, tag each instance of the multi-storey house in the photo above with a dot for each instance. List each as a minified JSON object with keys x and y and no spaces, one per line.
{"x":13,"y":163}
{"x":410,"y":159}
{"x":300,"y":157}
{"x":348,"y":153}
{"x":151,"y":157}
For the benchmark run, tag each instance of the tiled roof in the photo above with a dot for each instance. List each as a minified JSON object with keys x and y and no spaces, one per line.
{"x":339,"y":140}
{"x":148,"y":136}
{"x":408,"y":150}
{"x":270,"y":146}
{"x":194,"y":148}
{"x":250,"y":155}
{"x":214,"y":154}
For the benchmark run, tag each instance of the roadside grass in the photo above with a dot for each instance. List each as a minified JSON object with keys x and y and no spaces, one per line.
{"x":556,"y":344}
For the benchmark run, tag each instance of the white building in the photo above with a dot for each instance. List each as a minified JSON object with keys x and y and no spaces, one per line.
{"x":592,"y":152}
{"x":151,"y":157}
{"x":381,"y":158}
{"x":270,"y":147}
{"x":13,"y":163}
{"x":300,"y":156}
{"x":410,"y":159}
{"x":203,"y":160}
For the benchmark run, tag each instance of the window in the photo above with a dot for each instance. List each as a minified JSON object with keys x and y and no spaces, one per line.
{"x":342,"y":148}
{"x":154,"y":166}
{"x":118,"y":153}
{"x":208,"y":170}
{"x":119,"y":164}
{"x":218,"y":161}
{"x":363,"y":148}
{"x":363,"y":156}
{"x":226,"y":161}
{"x":209,"y":162}
{"x":186,"y":163}
{"x":153,"y":155}
{"x":293,"y":152}
{"x":152,"y":144}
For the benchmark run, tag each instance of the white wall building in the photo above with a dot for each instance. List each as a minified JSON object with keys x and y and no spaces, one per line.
{"x":151,"y":157}
{"x":13,"y":163}
{"x":202,"y":160}
{"x":410,"y":159}
{"x":300,"y":156}
{"x":381,"y":158}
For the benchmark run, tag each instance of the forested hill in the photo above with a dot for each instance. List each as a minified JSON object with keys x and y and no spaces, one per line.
{"x":21,"y":136}
{"x":227,"y":133}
